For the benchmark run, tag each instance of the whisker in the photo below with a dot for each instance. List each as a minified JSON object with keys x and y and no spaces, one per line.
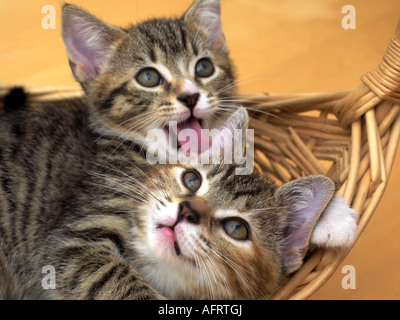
{"x":237,"y":83}
{"x":222,"y":106}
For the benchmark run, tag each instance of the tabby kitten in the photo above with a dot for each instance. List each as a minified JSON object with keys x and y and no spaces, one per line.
{"x":152,"y":73}
{"x":112,"y":226}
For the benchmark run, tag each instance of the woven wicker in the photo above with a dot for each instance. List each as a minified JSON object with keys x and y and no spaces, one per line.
{"x":350,"y":136}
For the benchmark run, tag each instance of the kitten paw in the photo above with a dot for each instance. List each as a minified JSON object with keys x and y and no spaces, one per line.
{"x":337,"y":226}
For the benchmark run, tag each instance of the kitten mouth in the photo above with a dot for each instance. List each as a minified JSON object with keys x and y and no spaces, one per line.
{"x":193,"y":137}
{"x":169,"y":233}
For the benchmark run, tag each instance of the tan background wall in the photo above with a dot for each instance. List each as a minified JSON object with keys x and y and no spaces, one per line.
{"x":279,"y":46}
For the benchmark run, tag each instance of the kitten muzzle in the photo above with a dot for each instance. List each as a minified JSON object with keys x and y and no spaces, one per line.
{"x":185,"y":212}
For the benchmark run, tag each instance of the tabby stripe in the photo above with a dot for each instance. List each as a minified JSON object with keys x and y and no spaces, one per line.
{"x":123,"y":273}
{"x":3,"y":204}
{"x":251,"y":192}
{"x":98,"y":285}
{"x":32,"y":180}
{"x":215,"y":170}
{"x":152,"y":56}
{"x":5,"y":184}
{"x":34,"y":207}
{"x":56,"y":149}
{"x":82,"y":254}
{"x":150,"y":36}
{"x":128,"y":293}
{"x":194,"y":48}
{"x":135,"y":286}
{"x":228,"y":174}
{"x":71,"y":252}
{"x":18,"y":131}
{"x":206,"y":242}
{"x":130,"y":281}
{"x":80,"y":272}
{"x":88,"y":258}
{"x":183,"y":37}
{"x":9,"y":198}
{"x":171,"y":39}
{"x":122,"y":89}
{"x":228,"y":72}
{"x":18,"y":191}
{"x":99,"y":234}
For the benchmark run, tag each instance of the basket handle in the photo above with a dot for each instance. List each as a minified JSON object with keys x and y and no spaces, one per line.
{"x":381,"y":84}
{"x":385,"y":80}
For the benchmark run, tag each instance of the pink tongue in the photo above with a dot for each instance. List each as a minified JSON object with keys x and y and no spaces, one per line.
{"x":203,"y":142}
{"x":168,"y":234}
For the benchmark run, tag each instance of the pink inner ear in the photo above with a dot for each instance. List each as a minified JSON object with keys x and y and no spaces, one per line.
{"x":216,"y":36}
{"x":306,"y":203}
{"x":300,"y":227}
{"x":207,"y":13}
{"x":87,"y":41}
{"x":82,"y":58}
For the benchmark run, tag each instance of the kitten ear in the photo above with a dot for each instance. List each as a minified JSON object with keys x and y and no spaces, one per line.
{"x":88,"y":40}
{"x":207,"y":14}
{"x":304,"y":199}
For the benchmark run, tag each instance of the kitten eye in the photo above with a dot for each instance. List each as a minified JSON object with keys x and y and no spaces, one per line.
{"x":204,"y":68}
{"x":236,"y":228}
{"x":149,"y":78}
{"x":191,"y":180}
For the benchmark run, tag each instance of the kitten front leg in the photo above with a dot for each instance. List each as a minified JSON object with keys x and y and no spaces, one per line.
{"x":91,"y":272}
{"x":337,"y":225}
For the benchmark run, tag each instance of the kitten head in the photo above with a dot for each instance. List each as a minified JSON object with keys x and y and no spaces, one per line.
{"x":206,"y":233}
{"x":152,"y":73}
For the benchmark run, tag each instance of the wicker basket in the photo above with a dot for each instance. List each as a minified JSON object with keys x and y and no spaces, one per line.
{"x":350,"y":136}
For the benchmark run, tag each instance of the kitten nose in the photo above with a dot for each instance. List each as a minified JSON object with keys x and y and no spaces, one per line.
{"x":187,"y":211}
{"x":189,"y":100}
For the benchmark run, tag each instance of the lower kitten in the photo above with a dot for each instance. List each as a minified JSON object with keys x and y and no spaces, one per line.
{"x":115,"y":227}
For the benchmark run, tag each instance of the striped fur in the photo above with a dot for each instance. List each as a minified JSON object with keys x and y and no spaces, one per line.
{"x":78,"y":195}
{"x":88,"y":205}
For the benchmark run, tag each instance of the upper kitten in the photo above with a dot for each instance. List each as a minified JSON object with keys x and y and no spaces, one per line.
{"x":150,"y":74}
